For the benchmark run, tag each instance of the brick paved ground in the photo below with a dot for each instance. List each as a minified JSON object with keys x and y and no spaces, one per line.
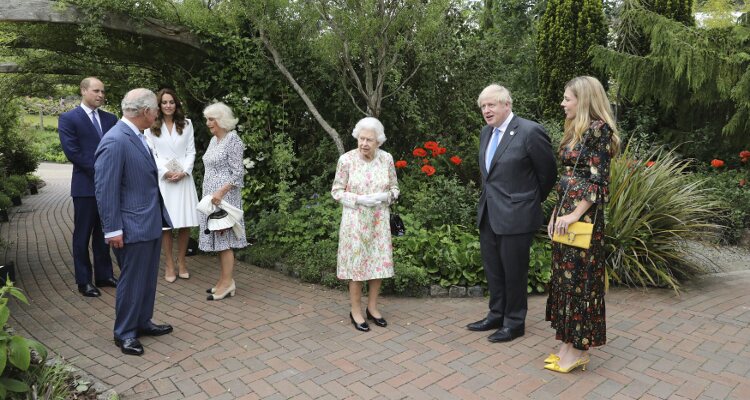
{"x":281,"y":339}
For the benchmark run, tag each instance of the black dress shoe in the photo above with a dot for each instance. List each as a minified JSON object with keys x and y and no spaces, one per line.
{"x":506,"y":334}
{"x":130,"y":346}
{"x":155,"y":330}
{"x":89,"y":290}
{"x":363,"y":327}
{"x":111,"y":282}
{"x":378,"y":321}
{"x":485,"y":325}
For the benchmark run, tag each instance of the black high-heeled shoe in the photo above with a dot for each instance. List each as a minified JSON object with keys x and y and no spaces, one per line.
{"x":378,"y":321}
{"x":363,"y":327}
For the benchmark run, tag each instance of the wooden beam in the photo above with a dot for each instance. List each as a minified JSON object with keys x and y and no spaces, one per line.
{"x":46,"y":11}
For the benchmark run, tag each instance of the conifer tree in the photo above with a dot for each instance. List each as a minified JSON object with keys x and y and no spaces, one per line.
{"x":568,"y":28}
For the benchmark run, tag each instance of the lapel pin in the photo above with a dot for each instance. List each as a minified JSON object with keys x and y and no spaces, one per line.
{"x":512,"y":133}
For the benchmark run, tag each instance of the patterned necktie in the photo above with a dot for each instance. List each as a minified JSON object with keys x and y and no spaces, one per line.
{"x":145,"y":143}
{"x":96,"y":123}
{"x":492,"y":147}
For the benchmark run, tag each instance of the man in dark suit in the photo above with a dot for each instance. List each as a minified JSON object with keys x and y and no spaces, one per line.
{"x":133,"y":215}
{"x":80,"y":131}
{"x":518,"y":171}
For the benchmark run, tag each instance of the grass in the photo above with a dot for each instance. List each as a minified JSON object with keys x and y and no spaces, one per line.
{"x":50,"y":121}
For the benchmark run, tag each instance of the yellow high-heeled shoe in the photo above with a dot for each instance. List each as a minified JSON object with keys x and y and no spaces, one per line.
{"x":581,"y":362}
{"x":227,"y":293}
{"x":552,"y":358}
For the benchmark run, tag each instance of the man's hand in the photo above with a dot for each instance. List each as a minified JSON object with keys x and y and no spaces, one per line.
{"x":115,"y":242}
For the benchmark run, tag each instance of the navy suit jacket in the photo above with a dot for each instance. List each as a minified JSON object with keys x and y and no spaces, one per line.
{"x":79,"y":140}
{"x":521,"y":175}
{"x":127,"y":187}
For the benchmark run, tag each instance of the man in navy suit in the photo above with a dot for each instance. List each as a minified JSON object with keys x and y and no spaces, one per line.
{"x":133,"y":215}
{"x":80,"y":130}
{"x":518,"y":171}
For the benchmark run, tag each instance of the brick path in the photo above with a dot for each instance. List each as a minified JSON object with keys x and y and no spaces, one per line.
{"x":281,"y":339}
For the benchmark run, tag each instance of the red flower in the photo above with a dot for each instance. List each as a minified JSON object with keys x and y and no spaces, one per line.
{"x":419,"y":152}
{"x":743,"y":182}
{"x":400,"y":164}
{"x":441,"y":150}
{"x":431,"y":145}
{"x":744,"y":159}
{"x":745,"y":154}
{"x":456,"y":160}
{"x":650,"y":163}
{"x":716,"y":163}
{"x":428,"y":169}
{"x":425,"y":161}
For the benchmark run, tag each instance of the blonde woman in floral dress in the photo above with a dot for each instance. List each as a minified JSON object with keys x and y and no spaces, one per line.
{"x":365,"y":184}
{"x":575,"y":305}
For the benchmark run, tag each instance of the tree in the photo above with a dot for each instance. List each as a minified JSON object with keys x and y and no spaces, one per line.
{"x":702,"y":75}
{"x":568,"y":28}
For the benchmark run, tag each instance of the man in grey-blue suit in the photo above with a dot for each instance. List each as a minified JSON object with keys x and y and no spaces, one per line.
{"x":133,"y":214}
{"x":518,"y":171}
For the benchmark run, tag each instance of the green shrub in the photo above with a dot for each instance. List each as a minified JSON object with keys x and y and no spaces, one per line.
{"x":408,"y":280}
{"x":540,"y":264}
{"x":51,"y":380}
{"x":5,"y":201}
{"x":18,"y":182}
{"x":653,"y":211}
{"x":15,"y":350}
{"x":439,"y":200}
{"x":732,"y":189}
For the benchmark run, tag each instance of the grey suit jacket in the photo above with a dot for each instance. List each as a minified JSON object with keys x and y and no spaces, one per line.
{"x":127,"y":187}
{"x":521,"y":175}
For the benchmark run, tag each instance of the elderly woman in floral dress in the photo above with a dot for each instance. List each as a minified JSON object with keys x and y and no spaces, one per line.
{"x":365,"y":184}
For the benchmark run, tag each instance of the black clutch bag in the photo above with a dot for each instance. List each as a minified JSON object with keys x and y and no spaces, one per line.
{"x":397,"y":224}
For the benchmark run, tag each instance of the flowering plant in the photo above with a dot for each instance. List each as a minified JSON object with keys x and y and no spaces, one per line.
{"x":427,"y":156}
{"x":716,"y":163}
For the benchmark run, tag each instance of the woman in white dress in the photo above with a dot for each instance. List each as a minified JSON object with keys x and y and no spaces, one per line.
{"x":173,"y":144}
{"x":365,"y":184}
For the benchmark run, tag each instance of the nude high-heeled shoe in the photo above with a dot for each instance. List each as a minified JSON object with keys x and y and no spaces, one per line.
{"x":227,"y":293}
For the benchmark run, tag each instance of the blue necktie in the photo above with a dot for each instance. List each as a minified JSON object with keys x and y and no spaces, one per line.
{"x":145,"y":143}
{"x":492,"y":147}
{"x":96,"y":123}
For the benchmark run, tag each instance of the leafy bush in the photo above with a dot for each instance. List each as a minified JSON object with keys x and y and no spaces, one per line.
{"x":15,"y":350}
{"x":540,"y":265}
{"x":653,"y":211}
{"x":5,"y":201}
{"x":731,"y":188}
{"x":18,"y":183}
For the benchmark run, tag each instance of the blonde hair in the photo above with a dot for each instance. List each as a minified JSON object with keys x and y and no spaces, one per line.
{"x":593,"y":105}
{"x":222,"y":114}
{"x":497,"y":93}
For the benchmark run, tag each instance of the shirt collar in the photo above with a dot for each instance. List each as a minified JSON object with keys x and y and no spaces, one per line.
{"x":132,"y":126}
{"x":504,"y":125}
{"x":87,"y":109}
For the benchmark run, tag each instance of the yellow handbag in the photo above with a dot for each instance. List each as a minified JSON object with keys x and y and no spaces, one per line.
{"x":579,"y":235}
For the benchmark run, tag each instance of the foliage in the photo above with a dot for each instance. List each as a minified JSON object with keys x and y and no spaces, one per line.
{"x":540,"y":265}
{"x":5,"y":201}
{"x":699,"y":76}
{"x":51,"y":380}
{"x":732,"y":189}
{"x":653,"y":211}
{"x":15,"y":350}
{"x":17,"y":184}
{"x":567,"y":29}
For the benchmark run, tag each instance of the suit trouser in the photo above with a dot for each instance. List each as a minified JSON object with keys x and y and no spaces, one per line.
{"x":506,"y":266}
{"x":136,"y":290}
{"x":87,"y":227}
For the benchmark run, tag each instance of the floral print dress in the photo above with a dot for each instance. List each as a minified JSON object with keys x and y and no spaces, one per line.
{"x":365,"y":249}
{"x":575,"y":305}
{"x":223,"y":164}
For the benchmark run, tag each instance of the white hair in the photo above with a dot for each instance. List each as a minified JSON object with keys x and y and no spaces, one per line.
{"x":497,"y":93}
{"x":222,"y":114}
{"x":137,"y":100}
{"x":370,"y":123}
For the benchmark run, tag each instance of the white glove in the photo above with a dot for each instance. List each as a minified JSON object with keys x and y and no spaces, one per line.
{"x":382,"y":197}
{"x":366,"y":200}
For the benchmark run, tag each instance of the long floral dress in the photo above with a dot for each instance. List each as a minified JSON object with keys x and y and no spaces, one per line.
{"x":223,"y":164}
{"x":365,"y":249}
{"x":575,"y":305}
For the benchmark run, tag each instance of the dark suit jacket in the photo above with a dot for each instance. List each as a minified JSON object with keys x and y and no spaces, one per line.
{"x":521,"y":175}
{"x":79,"y":140}
{"x":127,"y":187}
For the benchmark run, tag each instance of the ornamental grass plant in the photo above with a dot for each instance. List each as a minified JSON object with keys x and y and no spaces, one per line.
{"x":655,"y":209}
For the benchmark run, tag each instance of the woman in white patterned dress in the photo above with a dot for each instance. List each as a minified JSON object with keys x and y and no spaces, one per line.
{"x":365,"y":184}
{"x":223,"y":180}
{"x":171,"y":138}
